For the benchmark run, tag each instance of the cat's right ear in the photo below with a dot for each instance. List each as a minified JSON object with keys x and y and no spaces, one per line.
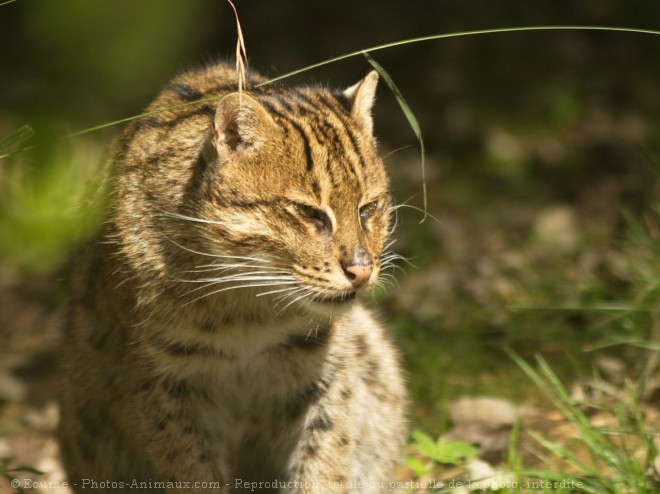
{"x":240,"y":124}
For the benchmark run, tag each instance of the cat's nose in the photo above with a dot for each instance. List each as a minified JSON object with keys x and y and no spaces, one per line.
{"x":358,"y":275}
{"x":358,"y":270}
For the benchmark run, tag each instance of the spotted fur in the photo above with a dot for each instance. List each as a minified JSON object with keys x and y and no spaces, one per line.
{"x":216,"y":332}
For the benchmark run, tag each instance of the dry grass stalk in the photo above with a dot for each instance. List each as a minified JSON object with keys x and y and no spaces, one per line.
{"x":241,"y":53}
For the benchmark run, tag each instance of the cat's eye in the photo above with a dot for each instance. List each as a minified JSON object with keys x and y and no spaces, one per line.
{"x":368,"y":210}
{"x":316,"y":216}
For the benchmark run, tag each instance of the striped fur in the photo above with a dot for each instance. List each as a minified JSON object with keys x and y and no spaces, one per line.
{"x":218,"y":311}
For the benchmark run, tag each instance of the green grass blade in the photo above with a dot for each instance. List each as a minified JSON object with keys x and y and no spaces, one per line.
{"x":142,"y":115}
{"x":371,"y":50}
{"x":458,"y":35}
{"x":613,"y":307}
{"x":580,"y":483}
{"x":513,"y":459}
{"x":612,"y":463}
{"x":121,"y":121}
{"x":563,"y":453}
{"x":641,"y":431}
{"x":599,"y":445}
{"x":17,"y":137}
{"x":410,"y":116}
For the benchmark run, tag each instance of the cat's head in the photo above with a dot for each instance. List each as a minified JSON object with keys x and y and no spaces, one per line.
{"x":298,"y":182}
{"x":288,"y":199}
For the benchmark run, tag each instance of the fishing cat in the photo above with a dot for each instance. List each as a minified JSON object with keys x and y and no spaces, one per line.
{"x":215,"y":340}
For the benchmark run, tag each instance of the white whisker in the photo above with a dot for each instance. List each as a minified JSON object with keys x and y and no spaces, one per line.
{"x":228,"y":267}
{"x":388,"y":245}
{"x":250,"y":276}
{"x":192,"y":251}
{"x":294,"y":291}
{"x":271,"y":292}
{"x":214,"y":292}
{"x":242,"y":258}
{"x":388,"y":279}
{"x":190,"y":218}
{"x":266,"y":281}
{"x":396,"y":151}
{"x":389,"y":257}
{"x":307,"y":294}
{"x":409,"y":206}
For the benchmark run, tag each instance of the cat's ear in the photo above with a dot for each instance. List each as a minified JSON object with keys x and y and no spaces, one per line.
{"x":241,"y":123}
{"x":361,"y":97}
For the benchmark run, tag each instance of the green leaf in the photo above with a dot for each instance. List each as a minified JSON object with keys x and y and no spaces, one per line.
{"x":424,"y":444}
{"x":447,"y":452}
{"x":454,"y":452}
{"x":419,"y":467}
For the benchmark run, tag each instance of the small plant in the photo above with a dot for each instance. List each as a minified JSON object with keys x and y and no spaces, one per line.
{"x":437,"y":452}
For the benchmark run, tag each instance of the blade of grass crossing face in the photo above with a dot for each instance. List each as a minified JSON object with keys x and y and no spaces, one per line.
{"x":410,"y":116}
{"x":478,"y":32}
{"x":373,"y":49}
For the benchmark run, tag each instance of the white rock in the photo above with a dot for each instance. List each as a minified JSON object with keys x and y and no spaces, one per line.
{"x":557,"y":226}
{"x":496,"y":411}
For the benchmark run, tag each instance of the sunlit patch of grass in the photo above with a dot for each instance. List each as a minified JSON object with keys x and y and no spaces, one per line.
{"x":618,"y":458}
{"x":607,"y":444}
{"x":610,"y":448}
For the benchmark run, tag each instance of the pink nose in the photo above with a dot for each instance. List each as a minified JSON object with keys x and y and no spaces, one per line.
{"x":358,"y":274}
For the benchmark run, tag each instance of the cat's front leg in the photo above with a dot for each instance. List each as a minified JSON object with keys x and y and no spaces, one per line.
{"x":321,"y":460}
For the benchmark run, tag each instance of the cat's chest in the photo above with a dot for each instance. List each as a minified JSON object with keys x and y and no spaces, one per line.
{"x":259,"y":390}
